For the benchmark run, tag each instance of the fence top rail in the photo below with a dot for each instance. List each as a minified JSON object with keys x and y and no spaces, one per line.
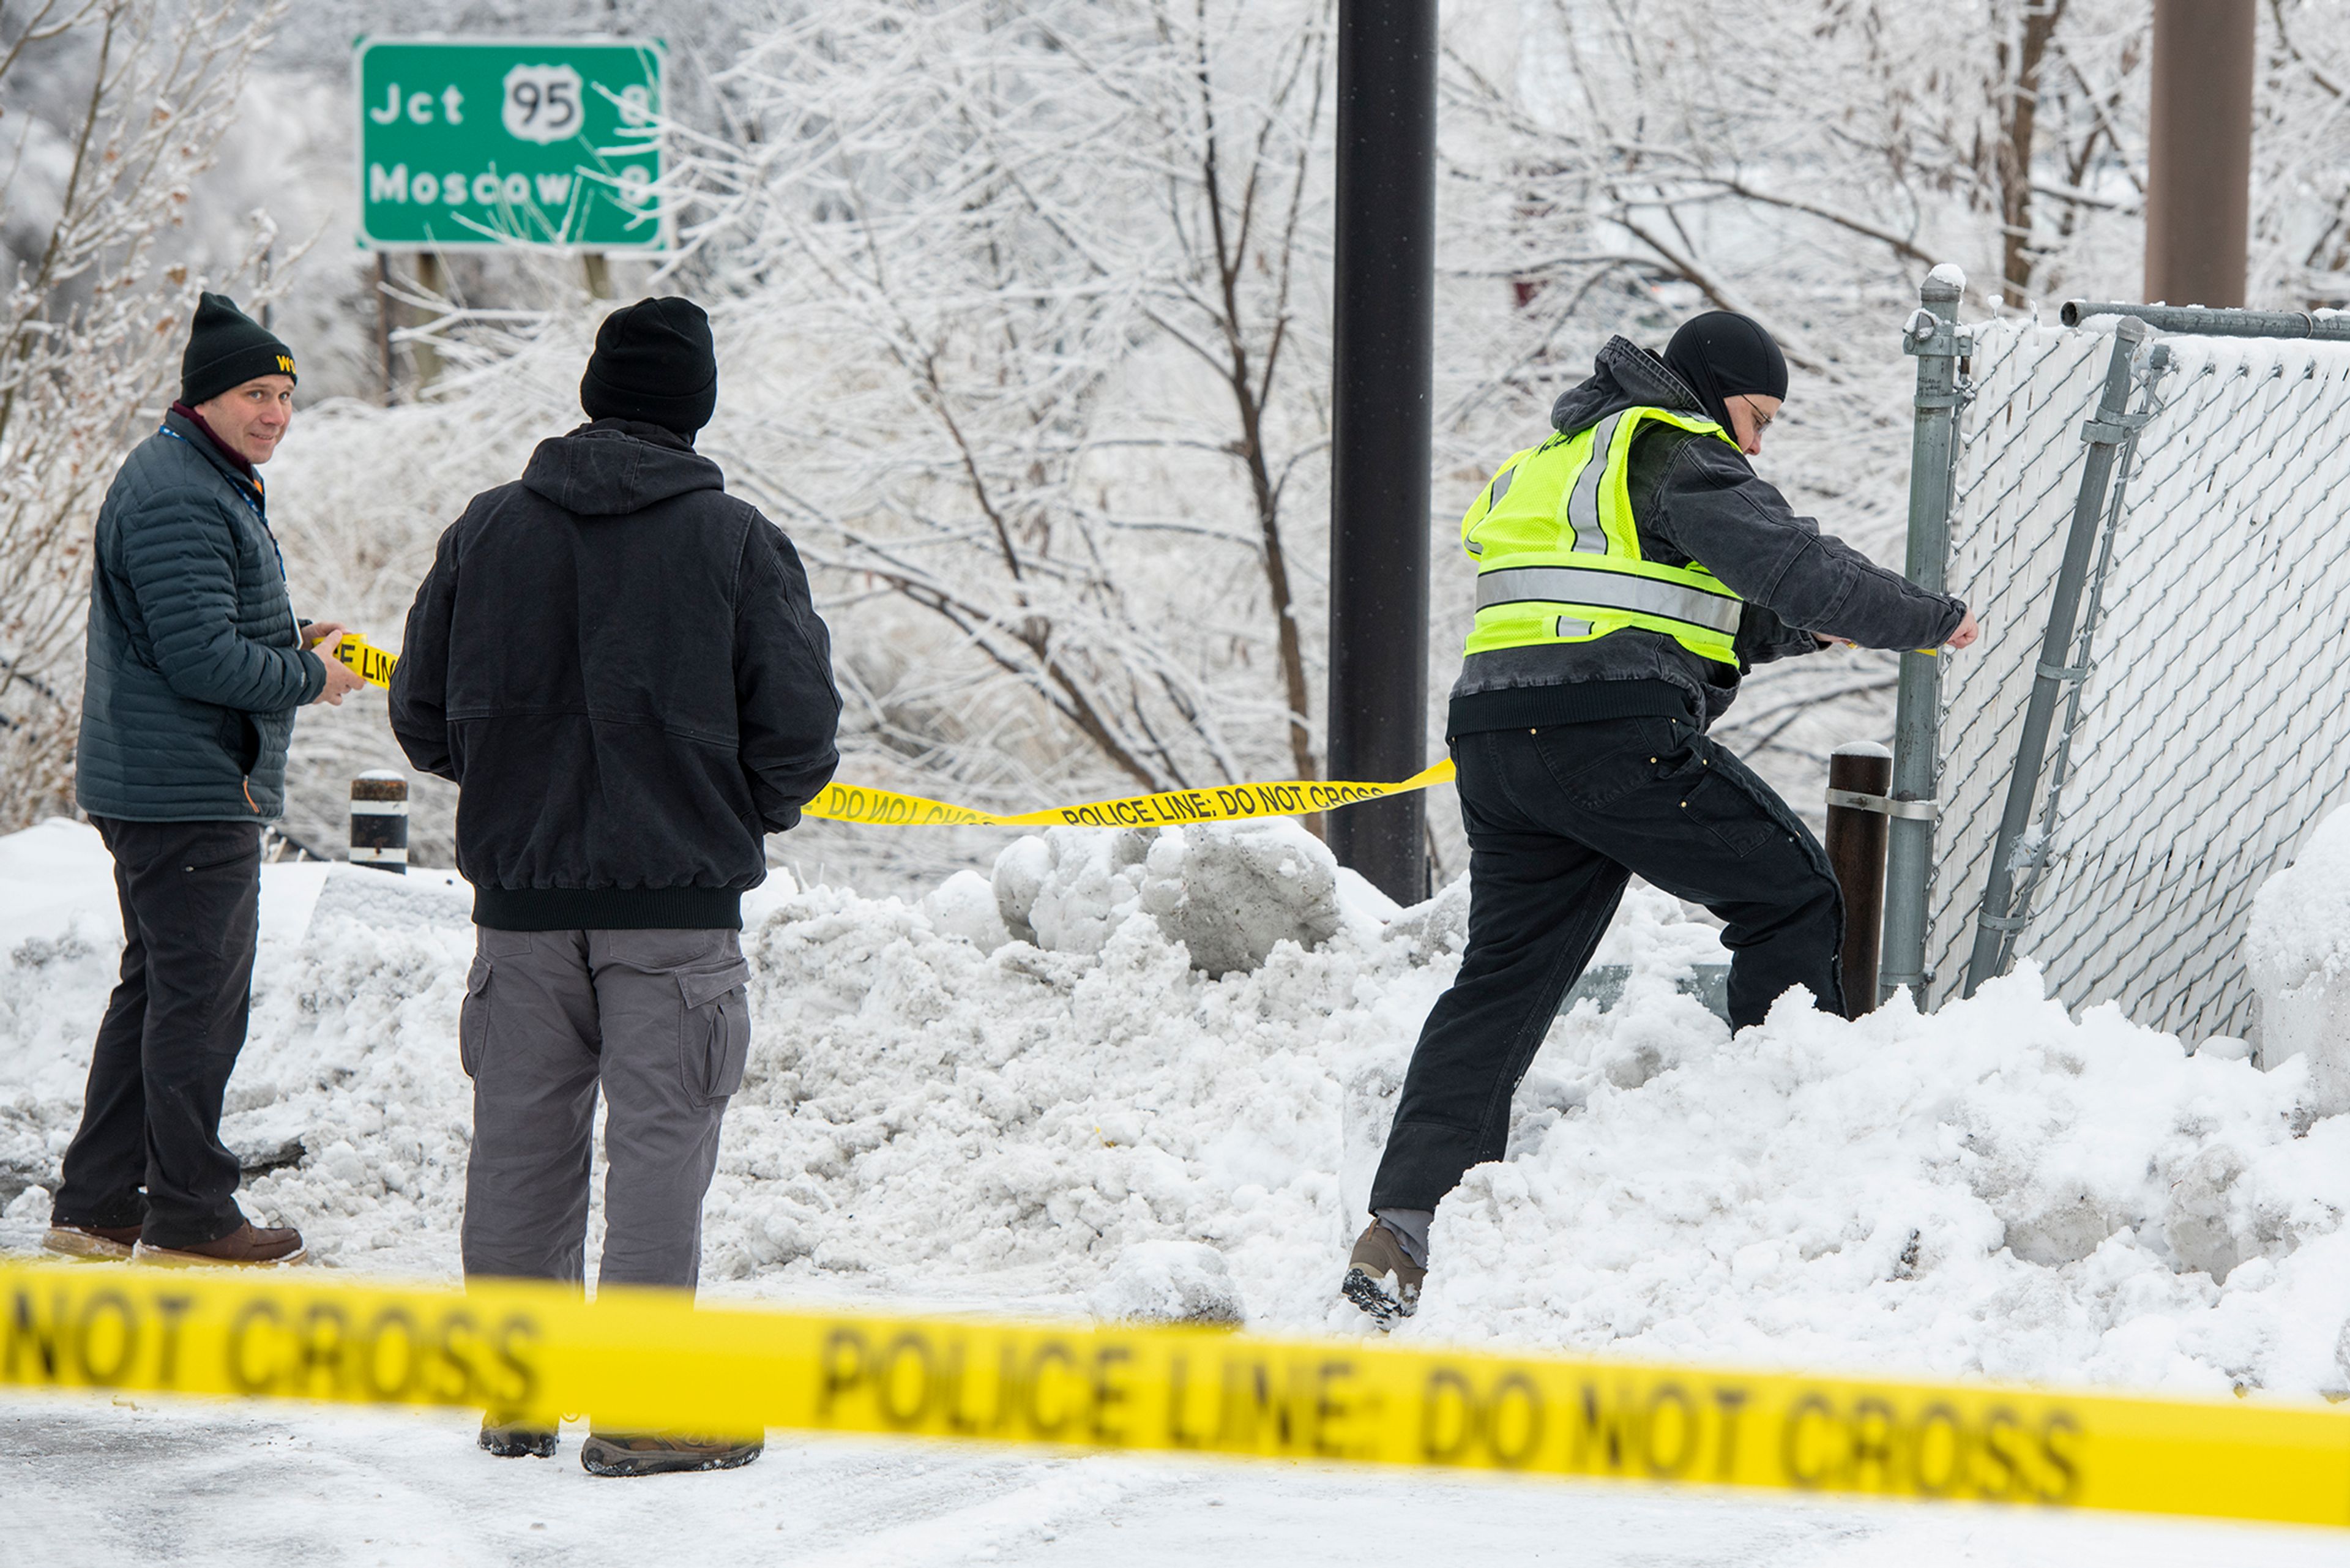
{"x":2197,"y":321}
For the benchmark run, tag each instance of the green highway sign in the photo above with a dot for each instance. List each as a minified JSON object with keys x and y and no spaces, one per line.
{"x":473,"y":143}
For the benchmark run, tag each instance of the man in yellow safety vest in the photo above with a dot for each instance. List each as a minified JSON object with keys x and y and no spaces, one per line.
{"x":1629,"y":570}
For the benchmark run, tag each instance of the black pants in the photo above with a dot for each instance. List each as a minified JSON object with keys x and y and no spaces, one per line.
{"x":190,"y":894}
{"x":1558,"y":821}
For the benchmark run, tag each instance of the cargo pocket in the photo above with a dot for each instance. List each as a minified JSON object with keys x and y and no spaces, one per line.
{"x":1736,"y":820}
{"x":473,"y":1017}
{"x":715,"y":1041}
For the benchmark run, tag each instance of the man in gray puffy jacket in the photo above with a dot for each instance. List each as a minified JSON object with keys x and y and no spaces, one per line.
{"x":196,"y":665}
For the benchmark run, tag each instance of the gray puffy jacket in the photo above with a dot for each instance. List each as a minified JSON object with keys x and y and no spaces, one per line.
{"x":195,"y":659}
{"x":1696,"y":498}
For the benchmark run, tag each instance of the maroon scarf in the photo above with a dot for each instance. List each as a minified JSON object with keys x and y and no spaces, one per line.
{"x":219,"y":445}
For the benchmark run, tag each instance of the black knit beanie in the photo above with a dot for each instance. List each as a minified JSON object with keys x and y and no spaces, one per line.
{"x":226,"y":348}
{"x":1720,"y":355}
{"x":654,"y":361}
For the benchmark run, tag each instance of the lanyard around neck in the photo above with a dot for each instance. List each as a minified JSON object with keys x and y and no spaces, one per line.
{"x":250,"y":505}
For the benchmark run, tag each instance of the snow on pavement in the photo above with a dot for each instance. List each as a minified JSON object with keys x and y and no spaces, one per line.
{"x":216,"y":1486}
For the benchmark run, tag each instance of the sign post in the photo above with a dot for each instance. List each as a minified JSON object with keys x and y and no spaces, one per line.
{"x":475,"y":144}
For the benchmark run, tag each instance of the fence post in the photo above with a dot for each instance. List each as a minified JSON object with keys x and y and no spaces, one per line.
{"x":1934,"y":336}
{"x":1998,"y":920}
{"x":1860,"y":774}
{"x":380,"y":821}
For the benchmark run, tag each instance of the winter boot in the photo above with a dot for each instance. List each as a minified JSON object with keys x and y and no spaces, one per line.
{"x":658,"y":1453}
{"x":516,"y":1440}
{"x":247,"y":1246}
{"x":1378,"y":1263}
{"x":92,"y":1241}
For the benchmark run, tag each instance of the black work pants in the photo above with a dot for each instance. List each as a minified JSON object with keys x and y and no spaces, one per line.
{"x":148,"y":1151}
{"x":1558,"y":821}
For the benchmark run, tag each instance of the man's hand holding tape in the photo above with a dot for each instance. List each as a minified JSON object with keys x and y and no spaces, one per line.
{"x":323,"y":638}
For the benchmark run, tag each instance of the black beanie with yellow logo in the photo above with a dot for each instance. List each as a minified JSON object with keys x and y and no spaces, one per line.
{"x":226,"y":348}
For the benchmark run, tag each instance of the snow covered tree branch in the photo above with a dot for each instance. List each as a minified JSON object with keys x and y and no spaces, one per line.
{"x":1047,"y":274}
{"x":121,"y":105}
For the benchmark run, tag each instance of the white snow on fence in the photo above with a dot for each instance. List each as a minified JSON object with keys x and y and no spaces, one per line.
{"x":2214,"y":725}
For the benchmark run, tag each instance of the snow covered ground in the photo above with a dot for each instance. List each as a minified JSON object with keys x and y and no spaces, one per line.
{"x":937,"y":1114}
{"x":277,"y":1487}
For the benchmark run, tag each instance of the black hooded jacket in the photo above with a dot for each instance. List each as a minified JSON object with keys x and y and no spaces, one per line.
{"x":1696,"y":498}
{"x":620,"y":666}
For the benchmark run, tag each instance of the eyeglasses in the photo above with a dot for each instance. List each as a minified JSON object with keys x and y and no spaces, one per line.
{"x":1761,"y":420}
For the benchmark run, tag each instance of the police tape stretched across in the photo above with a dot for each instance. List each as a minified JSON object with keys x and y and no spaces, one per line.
{"x":653,"y":1358}
{"x":871,"y":807}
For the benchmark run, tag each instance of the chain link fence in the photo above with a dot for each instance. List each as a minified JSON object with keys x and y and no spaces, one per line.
{"x":2204,"y":720}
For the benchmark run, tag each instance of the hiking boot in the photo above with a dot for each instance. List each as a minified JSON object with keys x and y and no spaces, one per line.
{"x":658,"y":1453}
{"x":515,"y":1440}
{"x":91,"y":1240}
{"x":247,"y":1246}
{"x":1380,"y":1278}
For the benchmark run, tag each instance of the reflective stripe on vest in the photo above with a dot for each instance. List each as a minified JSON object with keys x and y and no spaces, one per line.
{"x":1558,"y":550}
{"x":1582,"y":585}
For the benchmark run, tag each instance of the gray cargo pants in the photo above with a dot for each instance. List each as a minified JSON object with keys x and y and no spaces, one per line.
{"x":660,"y":1020}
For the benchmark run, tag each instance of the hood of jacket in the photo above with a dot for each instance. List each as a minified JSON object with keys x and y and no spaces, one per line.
{"x":1623,"y":376}
{"x":613,"y":467}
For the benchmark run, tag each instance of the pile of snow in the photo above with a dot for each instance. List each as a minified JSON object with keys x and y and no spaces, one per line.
{"x":2297,"y":948}
{"x":939,"y":1111}
{"x":1230,"y":894}
{"x":1169,"y":1281}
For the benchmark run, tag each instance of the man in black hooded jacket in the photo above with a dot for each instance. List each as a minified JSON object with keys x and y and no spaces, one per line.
{"x":1617,"y":611}
{"x":620,"y":666}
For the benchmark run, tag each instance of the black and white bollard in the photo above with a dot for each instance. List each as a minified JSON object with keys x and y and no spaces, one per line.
{"x":380,"y":821}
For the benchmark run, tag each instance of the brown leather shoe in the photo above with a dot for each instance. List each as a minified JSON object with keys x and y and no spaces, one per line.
{"x":1378,"y":1258}
{"x":663,"y":1453}
{"x":247,"y":1246}
{"x":92,"y":1241}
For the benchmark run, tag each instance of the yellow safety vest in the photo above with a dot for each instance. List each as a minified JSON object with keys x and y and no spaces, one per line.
{"x":1558,"y":557}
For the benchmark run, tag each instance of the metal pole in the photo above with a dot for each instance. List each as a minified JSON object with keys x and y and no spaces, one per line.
{"x":2195,"y":321}
{"x":380,"y":821}
{"x":2199,"y":151}
{"x":1996,"y":922}
{"x":383,"y":328}
{"x":1860,"y":774}
{"x":431,"y":279}
{"x":1384,"y":324}
{"x":2158,"y":364}
{"x":1934,"y":336}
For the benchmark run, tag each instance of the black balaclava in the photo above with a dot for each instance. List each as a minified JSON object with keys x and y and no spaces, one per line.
{"x":1720,"y":355}
{"x":654,"y":361}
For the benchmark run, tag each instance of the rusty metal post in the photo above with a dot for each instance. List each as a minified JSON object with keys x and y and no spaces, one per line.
{"x":2199,"y":151}
{"x":1860,"y":775}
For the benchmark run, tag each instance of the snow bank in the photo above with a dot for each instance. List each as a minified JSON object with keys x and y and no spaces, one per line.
{"x":936,"y":1112}
{"x":1230,"y":894}
{"x":2297,"y":948}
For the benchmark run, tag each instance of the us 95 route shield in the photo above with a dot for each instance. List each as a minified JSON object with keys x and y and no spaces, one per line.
{"x":466,"y":144}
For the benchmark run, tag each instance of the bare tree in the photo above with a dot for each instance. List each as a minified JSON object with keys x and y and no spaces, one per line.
{"x":1042,"y":288}
{"x":137,"y":96}
{"x":1728,"y":145}
{"x":2301,"y":154}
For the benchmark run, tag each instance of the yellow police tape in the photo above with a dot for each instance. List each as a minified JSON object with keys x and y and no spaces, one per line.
{"x":369,"y":662}
{"x":1216,"y":802}
{"x":886,"y":808}
{"x":650,"y":1359}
